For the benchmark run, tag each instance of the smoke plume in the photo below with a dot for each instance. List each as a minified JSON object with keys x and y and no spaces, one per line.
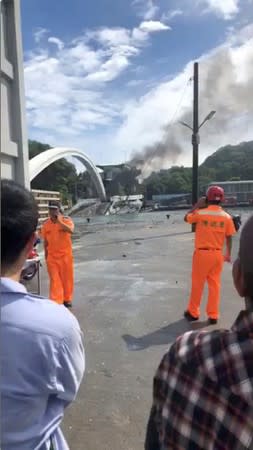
{"x":226,"y":85}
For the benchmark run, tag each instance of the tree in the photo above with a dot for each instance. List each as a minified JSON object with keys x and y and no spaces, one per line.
{"x":59,"y":176}
{"x":227,"y":163}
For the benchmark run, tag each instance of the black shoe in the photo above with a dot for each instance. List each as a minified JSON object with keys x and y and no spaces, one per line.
{"x":68,"y":304}
{"x":189,"y":317}
{"x":212,"y":321}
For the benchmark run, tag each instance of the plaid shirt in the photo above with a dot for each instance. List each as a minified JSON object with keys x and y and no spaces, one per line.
{"x":203,"y":391}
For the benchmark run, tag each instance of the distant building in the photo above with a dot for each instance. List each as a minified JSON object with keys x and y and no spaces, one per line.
{"x":237,"y":192}
{"x":14,"y":145}
{"x":172,"y":199}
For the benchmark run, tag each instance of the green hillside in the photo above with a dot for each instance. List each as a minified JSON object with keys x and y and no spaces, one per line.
{"x":232,"y":162}
{"x":228,"y":163}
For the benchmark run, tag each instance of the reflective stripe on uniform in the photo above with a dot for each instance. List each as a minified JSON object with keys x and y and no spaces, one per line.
{"x":205,"y":212}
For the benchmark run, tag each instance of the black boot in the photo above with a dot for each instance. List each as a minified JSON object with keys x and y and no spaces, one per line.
{"x":68,"y":304}
{"x":212,"y":321}
{"x":189,"y":317}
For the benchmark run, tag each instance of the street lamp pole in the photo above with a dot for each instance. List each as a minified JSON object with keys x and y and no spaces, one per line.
{"x":195,"y":135}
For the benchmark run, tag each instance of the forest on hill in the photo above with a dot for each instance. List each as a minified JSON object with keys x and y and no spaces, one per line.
{"x":232,"y":162}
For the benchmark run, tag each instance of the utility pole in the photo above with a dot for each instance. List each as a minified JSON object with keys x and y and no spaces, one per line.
{"x":195,"y":135}
{"x":195,"y":138}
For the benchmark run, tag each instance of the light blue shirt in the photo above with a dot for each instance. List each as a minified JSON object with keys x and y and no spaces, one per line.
{"x":42,"y":365}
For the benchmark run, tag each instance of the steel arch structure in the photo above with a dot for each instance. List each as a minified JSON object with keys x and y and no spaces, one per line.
{"x":45,"y":159}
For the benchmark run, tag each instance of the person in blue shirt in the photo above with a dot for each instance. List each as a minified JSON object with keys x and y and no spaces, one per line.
{"x":42,"y":355}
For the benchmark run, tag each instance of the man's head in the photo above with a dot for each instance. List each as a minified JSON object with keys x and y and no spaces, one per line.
{"x":243,"y":266}
{"x":215,"y":195}
{"x":19,"y":220}
{"x":54,"y":208}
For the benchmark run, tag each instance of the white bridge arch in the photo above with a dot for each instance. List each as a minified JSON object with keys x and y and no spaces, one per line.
{"x":44,"y":159}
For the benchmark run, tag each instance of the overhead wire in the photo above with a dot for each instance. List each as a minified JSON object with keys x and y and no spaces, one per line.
{"x":180,"y":102}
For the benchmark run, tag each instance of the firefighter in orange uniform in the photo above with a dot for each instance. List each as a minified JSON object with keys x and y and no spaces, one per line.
{"x":213,"y":227}
{"x":56,"y":232}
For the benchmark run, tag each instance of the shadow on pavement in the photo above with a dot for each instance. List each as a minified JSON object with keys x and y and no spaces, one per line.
{"x":163,"y":336}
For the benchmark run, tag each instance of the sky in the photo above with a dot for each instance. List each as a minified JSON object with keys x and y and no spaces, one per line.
{"x":114,"y":77}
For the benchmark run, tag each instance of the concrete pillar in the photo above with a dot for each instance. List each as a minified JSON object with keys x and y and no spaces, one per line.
{"x":14,"y":144}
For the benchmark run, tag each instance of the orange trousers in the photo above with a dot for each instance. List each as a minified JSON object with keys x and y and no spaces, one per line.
{"x":61,"y":276}
{"x":206,"y":266}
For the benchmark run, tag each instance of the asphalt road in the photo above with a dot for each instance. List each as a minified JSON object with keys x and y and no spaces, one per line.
{"x":132,"y":283}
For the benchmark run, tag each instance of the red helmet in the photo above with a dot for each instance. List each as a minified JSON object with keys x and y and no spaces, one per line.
{"x":215,"y":193}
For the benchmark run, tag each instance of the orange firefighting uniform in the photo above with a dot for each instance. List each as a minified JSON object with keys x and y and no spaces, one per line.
{"x":59,"y":259}
{"x":213,"y":225}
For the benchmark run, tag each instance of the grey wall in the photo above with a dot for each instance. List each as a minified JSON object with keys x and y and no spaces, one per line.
{"x":14,"y":146}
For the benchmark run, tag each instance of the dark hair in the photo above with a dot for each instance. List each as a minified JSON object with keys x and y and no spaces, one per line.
{"x":19,"y":220}
{"x":54,"y":204}
{"x":214,"y":202}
